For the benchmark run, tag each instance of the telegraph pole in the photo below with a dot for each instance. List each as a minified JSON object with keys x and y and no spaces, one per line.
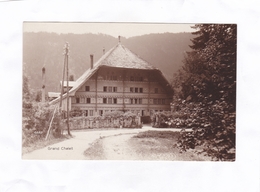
{"x":62,"y":82}
{"x":67,"y":56}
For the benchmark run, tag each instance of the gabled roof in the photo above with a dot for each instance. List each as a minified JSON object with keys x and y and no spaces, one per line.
{"x":119,"y":57}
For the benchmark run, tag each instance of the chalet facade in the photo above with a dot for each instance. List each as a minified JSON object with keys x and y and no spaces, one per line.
{"x":119,"y":80}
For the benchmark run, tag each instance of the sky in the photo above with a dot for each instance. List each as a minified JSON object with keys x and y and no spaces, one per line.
{"x":114,"y":29}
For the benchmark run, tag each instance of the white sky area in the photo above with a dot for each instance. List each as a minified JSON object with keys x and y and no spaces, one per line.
{"x":114,"y":29}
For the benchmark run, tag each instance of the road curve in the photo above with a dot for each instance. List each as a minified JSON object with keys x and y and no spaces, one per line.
{"x":73,"y":149}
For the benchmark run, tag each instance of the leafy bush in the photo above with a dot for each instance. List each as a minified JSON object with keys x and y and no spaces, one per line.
{"x":113,"y":114}
{"x":76,"y":112}
{"x":114,"y":119}
{"x":36,"y":116}
{"x":36,"y":122}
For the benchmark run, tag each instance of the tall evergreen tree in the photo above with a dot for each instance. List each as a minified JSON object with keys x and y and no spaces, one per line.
{"x":208,"y":79}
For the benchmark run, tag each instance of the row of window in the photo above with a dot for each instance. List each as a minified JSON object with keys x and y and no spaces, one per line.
{"x":136,"y":90}
{"x":114,"y":101}
{"x":109,"y":89}
{"x":114,"y":89}
{"x":136,"y":101}
{"x":110,"y":100}
{"x":110,"y":77}
{"x":82,"y":100}
{"x":114,"y":77}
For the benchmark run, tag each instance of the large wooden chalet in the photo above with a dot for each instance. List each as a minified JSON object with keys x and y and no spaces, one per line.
{"x":119,"y":80}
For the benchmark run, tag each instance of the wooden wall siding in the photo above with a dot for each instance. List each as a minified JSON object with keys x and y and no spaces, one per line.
{"x":125,"y":91}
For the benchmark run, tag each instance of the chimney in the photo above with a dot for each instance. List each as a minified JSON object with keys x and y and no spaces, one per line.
{"x":119,"y":41}
{"x":91,"y":61}
{"x":43,"y":84}
{"x":104,"y":51}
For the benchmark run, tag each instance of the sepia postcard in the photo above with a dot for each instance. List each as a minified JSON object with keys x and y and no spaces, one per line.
{"x":129,"y":91}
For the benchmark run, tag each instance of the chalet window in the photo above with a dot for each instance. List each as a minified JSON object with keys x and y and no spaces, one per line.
{"x":87,"y":88}
{"x":114,"y":77}
{"x":156,"y":90}
{"x":82,"y":100}
{"x":159,"y":101}
{"x":163,"y":101}
{"x":115,"y":100}
{"x":140,"y":90}
{"x":109,"y":89}
{"x":88,"y":100}
{"x":136,"y":101}
{"x":86,"y":113}
{"x":77,"y":100}
{"x":114,"y":89}
{"x":131,"y":89}
{"x":104,"y":100}
{"x":105,"y":89}
{"x":100,"y":112}
{"x":132,"y":78}
{"x":136,"y":90}
{"x":109,"y":100}
{"x":91,"y":113}
{"x":132,"y":101}
{"x":141,"y":79}
{"x":140,"y":101}
{"x":155,"y":101}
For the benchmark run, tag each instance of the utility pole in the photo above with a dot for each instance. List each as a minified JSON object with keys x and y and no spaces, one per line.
{"x":67,"y":58}
{"x":62,"y":83}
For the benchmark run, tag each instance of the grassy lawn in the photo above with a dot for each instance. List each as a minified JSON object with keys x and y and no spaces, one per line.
{"x":162,"y":145}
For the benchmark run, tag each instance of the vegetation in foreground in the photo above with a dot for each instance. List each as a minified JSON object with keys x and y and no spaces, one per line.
{"x":163,"y":145}
{"x":37,"y":117}
{"x":205,"y":92}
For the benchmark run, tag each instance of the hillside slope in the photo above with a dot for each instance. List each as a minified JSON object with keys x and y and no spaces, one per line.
{"x":164,"y":51}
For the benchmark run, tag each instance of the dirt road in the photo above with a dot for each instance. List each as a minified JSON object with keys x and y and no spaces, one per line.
{"x":73,"y":149}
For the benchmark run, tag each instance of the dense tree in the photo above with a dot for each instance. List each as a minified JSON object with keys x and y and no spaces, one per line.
{"x":207,"y":82}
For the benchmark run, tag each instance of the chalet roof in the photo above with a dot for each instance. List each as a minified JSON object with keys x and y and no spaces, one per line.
{"x":120,"y":57}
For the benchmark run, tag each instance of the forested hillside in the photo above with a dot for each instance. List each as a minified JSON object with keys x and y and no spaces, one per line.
{"x":165,"y":51}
